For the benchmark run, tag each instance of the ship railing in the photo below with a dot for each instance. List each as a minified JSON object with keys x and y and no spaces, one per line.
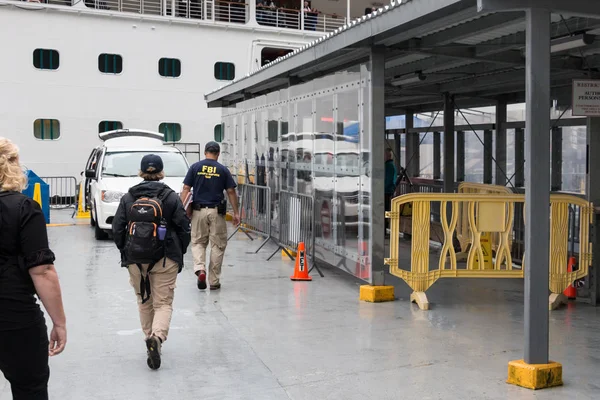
{"x":291,"y":19}
{"x":220,"y":11}
{"x":215,"y":10}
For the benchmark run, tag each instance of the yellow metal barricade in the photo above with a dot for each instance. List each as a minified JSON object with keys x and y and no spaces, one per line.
{"x":484,"y":213}
{"x":462,"y":232}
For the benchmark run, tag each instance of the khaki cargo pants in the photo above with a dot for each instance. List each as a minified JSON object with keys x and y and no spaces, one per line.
{"x":155,"y":314}
{"x":208,"y":224}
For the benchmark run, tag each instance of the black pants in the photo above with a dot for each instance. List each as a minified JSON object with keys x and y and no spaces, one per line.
{"x":388,"y":207}
{"x":24,"y":361}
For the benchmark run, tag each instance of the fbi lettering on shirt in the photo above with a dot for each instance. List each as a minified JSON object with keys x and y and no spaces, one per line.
{"x":209,"y":172}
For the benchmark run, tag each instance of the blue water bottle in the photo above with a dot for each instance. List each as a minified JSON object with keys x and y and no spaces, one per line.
{"x":162,"y":232}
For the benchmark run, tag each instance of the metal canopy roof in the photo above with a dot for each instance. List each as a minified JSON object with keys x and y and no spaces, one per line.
{"x":433,"y":47}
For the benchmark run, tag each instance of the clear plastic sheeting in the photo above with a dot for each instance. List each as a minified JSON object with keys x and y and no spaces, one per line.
{"x":312,"y":139}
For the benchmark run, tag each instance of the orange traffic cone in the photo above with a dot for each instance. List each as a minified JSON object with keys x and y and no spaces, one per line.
{"x":571,"y":292}
{"x":362,"y":271}
{"x":301,"y":268}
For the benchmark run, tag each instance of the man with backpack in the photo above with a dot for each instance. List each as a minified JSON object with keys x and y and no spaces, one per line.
{"x":152,"y":231}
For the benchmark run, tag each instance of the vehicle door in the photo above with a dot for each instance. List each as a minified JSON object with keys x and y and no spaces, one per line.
{"x":91,"y":165}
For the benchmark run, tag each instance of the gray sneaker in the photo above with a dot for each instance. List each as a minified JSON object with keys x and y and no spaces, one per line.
{"x":153,"y":344}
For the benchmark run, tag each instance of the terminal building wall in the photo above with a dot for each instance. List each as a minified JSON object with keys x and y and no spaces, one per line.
{"x":312,"y":139}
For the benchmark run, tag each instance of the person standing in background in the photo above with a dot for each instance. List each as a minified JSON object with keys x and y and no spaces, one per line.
{"x":210,"y":179}
{"x":26,"y":269}
{"x":390,"y":181}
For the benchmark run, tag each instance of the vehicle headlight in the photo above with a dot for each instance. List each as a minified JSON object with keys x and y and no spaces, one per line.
{"x":111,"y":196}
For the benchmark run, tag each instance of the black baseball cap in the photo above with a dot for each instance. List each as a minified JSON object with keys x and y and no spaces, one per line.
{"x":151,"y":164}
{"x":212,"y":147}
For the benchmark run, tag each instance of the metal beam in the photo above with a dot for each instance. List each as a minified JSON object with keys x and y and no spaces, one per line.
{"x":413,"y":13}
{"x":413,"y":153}
{"x":519,"y":157}
{"x":398,"y":151}
{"x":493,"y":46}
{"x":500,"y":130}
{"x":487,"y":156}
{"x":448,"y":143}
{"x":460,"y":156}
{"x":511,"y":57}
{"x":537,"y":186}
{"x":585,"y":8}
{"x":557,"y":159}
{"x":508,"y":125}
{"x":479,"y":26}
{"x":497,"y":80}
{"x":377,"y":148}
{"x":437,"y":155}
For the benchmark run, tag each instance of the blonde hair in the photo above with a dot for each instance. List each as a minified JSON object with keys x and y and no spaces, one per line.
{"x":12,"y":177}
{"x":152,"y":176}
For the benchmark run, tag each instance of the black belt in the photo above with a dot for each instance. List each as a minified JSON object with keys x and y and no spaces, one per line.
{"x":198,"y":207}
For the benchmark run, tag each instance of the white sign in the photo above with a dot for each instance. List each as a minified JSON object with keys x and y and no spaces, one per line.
{"x":586,"y":98}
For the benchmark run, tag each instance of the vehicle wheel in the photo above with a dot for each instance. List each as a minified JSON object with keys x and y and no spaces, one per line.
{"x":99,"y":234}
{"x":92,"y":220}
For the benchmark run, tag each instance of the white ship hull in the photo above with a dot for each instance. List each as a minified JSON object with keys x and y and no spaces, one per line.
{"x":79,"y":96}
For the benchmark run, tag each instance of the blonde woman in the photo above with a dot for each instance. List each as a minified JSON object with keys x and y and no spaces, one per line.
{"x":26,"y":269}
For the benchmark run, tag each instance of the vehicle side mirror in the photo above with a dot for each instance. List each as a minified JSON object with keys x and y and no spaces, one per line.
{"x":90,"y":173}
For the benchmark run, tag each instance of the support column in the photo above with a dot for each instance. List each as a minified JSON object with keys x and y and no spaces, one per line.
{"x":302,"y":15}
{"x":348,"y":15}
{"x":488,"y":162}
{"x":501,"y":143}
{"x":413,"y":152}
{"x":537,"y":185}
{"x":593,"y":195}
{"x":448,"y":143}
{"x":398,"y":150}
{"x":460,"y":156}
{"x":557,"y":159}
{"x":519,"y":158}
{"x":437,"y":155}
{"x":377,"y":292}
{"x":252,"y":11}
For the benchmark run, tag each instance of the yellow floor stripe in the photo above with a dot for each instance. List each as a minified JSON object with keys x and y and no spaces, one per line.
{"x":55,"y":225}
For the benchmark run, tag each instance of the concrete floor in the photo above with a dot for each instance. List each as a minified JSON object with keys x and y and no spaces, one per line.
{"x":263,"y":337}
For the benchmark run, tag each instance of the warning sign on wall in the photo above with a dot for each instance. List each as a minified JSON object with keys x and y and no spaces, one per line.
{"x":586,"y":98}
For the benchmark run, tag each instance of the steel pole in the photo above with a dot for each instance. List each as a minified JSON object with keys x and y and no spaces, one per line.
{"x":537,"y":185}
{"x":449,"y":143}
{"x":377,"y":147}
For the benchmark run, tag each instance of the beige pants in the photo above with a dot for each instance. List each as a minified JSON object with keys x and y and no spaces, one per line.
{"x":208,"y":224}
{"x":155,"y":314}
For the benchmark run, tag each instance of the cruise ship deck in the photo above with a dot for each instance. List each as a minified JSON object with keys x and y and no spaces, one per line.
{"x":265,"y":337}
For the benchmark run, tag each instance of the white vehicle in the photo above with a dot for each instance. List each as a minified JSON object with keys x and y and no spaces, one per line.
{"x":113,"y":168}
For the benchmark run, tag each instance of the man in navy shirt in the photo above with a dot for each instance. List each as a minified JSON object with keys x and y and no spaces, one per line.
{"x":210,"y":179}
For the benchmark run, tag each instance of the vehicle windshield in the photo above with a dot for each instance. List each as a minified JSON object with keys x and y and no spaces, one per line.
{"x":127,"y":164}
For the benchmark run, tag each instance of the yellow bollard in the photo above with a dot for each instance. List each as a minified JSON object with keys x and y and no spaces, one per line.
{"x":37,"y":193}
{"x":81,"y":211}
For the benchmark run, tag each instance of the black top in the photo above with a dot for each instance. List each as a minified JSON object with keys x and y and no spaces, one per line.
{"x":209,"y":179}
{"x":178,"y":223}
{"x":23,"y":245}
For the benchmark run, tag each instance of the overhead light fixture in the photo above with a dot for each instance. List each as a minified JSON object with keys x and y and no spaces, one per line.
{"x":408,"y":79}
{"x":570,"y":42}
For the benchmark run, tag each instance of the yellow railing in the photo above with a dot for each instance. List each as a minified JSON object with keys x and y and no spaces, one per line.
{"x":484,"y":213}
{"x":462,"y":232}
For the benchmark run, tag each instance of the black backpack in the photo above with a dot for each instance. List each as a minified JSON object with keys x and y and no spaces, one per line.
{"x":142,"y":245}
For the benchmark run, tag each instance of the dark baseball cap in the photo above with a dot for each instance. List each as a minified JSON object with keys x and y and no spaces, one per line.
{"x":152,"y":164}
{"x":212,"y":147}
